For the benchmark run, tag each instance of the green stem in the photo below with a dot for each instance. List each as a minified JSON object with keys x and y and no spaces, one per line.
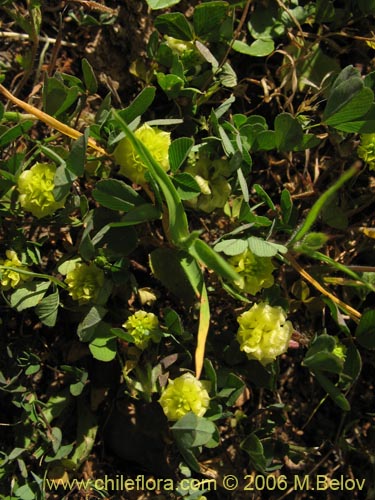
{"x":320,"y":202}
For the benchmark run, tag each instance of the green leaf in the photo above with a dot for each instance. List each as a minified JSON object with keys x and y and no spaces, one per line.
{"x":207,"y":19}
{"x":323,"y":343}
{"x":25,"y":493}
{"x":263,"y":248}
{"x":211,"y":375}
{"x":13,"y":133}
{"x":265,"y":140}
{"x":161,"y":4}
{"x":338,"y":398}
{"x":286,"y":205}
{"x":231,"y":247}
{"x":104,"y":348}
{"x":174,"y":24}
{"x":56,"y":438}
{"x":336,"y":315}
{"x":139,"y":105}
{"x":334,"y":215}
{"x":346,"y":74}
{"x":313,"y":241}
{"x":243,"y":185}
{"x":58,"y":98}
{"x":227,"y":76}
{"x":178,"y":152}
{"x":190,"y":460}
{"x":356,"y":107}
{"x":170,"y":84}
{"x":357,"y":127}
{"x":89,"y":77}
{"x":63,"y":180}
{"x":236,"y":387}
{"x":264,"y":196}
{"x":226,"y":142}
{"x":116,"y":195}
{"x":47,"y":309}
{"x":309,"y":141}
{"x":259,"y":48}
{"x":77,"y":156}
{"x":207,"y":55}
{"x":341,"y":94}
{"x":353,"y":363}
{"x":86,"y":247}
{"x":191,"y":431}
{"x":122,"y":334}
{"x":324,"y":361}
{"x":364,"y":125}
{"x":139,"y":214}
{"x":86,"y":329}
{"x":254,"y":448}
{"x":325,"y":11}
{"x":171,"y":268}
{"x":186,"y":185}
{"x":365,"y":332}
{"x":173,"y":321}
{"x":29,"y":295}
{"x":288,"y":132}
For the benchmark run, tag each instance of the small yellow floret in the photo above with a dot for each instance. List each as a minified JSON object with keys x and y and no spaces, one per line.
{"x":9,"y":277}
{"x":36,"y":187}
{"x":211,"y":176}
{"x":84,"y":282}
{"x":264,"y":332}
{"x":366,"y":150}
{"x":156,"y":141}
{"x":255,"y":272}
{"x":183,"y":395}
{"x":143,"y":327}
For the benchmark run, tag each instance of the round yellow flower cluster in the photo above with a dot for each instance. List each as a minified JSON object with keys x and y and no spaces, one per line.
{"x":184,"y":394}
{"x":131,"y":165}
{"x":366,"y":150}
{"x":36,"y":187}
{"x":8,"y":277}
{"x":84,"y":282}
{"x":264,"y":332}
{"x":211,"y":178}
{"x":143,"y":327}
{"x":255,"y":272}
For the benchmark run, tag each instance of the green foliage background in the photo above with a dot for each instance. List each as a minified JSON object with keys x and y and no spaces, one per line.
{"x":266,"y":103}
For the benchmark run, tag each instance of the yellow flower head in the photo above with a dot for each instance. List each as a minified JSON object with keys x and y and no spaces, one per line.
{"x":184,"y":394}
{"x":36,"y":190}
{"x":255,"y":272}
{"x":143,"y":327}
{"x":131,"y":165}
{"x":339,"y":349}
{"x":366,"y":151}
{"x":264,"y":332}
{"x":9,"y":278}
{"x":84,"y":282}
{"x":211,"y":178}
